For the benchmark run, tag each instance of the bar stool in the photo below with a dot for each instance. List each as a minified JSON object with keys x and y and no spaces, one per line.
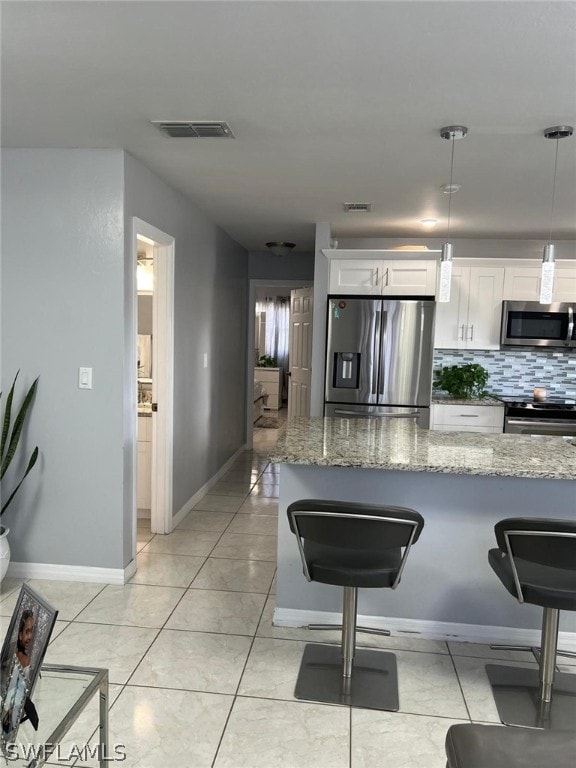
{"x":351,"y":545}
{"x":536,"y":562}
{"x":491,"y":746}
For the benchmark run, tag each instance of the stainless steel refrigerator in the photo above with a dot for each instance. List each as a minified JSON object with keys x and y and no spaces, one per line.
{"x":379,"y":355}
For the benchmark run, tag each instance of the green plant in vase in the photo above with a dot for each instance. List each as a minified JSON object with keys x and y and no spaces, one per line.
{"x":463,"y":382}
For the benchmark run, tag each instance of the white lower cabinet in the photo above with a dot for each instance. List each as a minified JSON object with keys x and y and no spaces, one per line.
{"x":271,"y":380}
{"x":447,"y":417}
{"x":144,"y":463}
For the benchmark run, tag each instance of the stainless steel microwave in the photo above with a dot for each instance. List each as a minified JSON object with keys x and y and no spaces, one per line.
{"x":530,"y":324}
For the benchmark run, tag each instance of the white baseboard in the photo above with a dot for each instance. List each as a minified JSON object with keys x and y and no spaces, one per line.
{"x":427,"y":630}
{"x":201,"y":492}
{"x":117,"y":576}
{"x":72,"y":572}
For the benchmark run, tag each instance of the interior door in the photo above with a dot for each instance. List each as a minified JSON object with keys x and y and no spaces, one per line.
{"x":300,"y":352}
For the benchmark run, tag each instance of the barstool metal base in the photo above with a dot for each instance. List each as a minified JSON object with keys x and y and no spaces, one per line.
{"x":516,"y":693}
{"x":373,"y":684}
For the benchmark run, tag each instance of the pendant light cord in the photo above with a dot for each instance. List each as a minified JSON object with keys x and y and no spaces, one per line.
{"x":450,"y":188}
{"x":553,"y":191}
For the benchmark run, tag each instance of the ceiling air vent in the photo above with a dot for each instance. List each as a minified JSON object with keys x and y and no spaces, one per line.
{"x":186,"y":129}
{"x":358,"y":207}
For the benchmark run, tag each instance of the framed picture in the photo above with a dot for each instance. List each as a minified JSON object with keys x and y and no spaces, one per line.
{"x":27,"y":638}
{"x":13,"y":702}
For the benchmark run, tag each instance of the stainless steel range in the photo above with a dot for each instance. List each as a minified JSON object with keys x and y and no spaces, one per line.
{"x":529,"y":417}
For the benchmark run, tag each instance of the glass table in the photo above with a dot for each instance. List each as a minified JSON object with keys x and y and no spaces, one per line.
{"x":61,"y":694}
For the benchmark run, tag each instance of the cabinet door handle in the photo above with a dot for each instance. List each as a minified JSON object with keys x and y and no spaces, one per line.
{"x":462,"y":333}
{"x":471,"y":333}
{"x":468,"y":415}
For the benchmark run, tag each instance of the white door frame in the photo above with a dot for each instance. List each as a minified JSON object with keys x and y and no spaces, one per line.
{"x":253,"y":284}
{"x":163,"y":374}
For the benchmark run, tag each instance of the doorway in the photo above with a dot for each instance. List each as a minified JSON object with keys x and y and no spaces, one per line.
{"x":153,"y":348}
{"x":271,"y":409}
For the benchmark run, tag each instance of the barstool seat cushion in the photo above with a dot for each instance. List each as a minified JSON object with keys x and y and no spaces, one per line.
{"x":351,"y":567}
{"x":496,"y":746}
{"x":544,"y":585}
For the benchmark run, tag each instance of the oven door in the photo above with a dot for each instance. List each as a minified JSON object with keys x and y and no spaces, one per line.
{"x":553,"y":427}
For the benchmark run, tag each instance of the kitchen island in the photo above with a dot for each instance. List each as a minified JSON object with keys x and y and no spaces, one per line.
{"x":462,"y":483}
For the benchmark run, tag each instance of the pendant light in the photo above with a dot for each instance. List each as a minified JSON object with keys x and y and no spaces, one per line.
{"x":451,"y":132}
{"x":547,"y":279}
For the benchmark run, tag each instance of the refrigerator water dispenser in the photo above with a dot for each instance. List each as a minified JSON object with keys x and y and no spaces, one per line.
{"x":346,"y":370}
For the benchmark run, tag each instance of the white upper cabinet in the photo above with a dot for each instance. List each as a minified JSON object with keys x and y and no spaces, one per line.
{"x":408,"y":278}
{"x":523,"y":283}
{"x":471,"y":319}
{"x":383,"y":277}
{"x":354,"y":276}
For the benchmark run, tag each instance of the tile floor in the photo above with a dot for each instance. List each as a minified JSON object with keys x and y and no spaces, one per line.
{"x":200,"y":677}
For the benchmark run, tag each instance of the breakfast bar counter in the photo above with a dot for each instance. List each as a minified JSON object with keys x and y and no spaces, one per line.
{"x":462,"y":483}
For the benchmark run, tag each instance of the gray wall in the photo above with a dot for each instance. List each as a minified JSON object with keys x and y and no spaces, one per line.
{"x":210,"y":311}
{"x":62,"y":307}
{"x":263,"y":265}
{"x":67,"y":301}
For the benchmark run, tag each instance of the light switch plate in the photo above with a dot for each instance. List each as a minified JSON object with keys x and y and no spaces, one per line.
{"x":85,"y":378}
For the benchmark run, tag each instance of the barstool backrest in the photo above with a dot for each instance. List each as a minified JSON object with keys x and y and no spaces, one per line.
{"x":537,"y":540}
{"x":354,"y":526}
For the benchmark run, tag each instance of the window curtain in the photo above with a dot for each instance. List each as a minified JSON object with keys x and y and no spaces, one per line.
{"x":277,"y":328}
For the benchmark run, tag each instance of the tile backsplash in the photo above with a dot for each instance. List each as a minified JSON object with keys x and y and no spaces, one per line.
{"x":517,"y":372}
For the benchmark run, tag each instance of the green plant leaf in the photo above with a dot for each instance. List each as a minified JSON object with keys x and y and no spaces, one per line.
{"x":17,"y":428}
{"x":266,"y":361}
{"x":31,"y":462}
{"x":463,"y":382}
{"x":7,"y":417}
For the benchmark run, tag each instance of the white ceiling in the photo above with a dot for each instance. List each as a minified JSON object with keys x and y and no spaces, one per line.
{"x":329,"y":101}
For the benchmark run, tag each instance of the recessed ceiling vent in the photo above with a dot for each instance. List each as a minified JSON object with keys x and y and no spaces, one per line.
{"x":357,"y":207}
{"x":186,"y":129}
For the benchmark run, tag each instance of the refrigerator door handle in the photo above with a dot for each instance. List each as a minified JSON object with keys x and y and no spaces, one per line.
{"x":360,"y":415}
{"x":374,"y":386}
{"x":381,"y":369}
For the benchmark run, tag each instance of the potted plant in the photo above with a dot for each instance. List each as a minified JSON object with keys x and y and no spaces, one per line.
{"x":9,"y":440}
{"x":463,"y":382}
{"x":266,"y":361}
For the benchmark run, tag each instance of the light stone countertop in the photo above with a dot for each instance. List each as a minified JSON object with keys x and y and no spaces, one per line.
{"x":445,"y":400}
{"x":402,"y":445}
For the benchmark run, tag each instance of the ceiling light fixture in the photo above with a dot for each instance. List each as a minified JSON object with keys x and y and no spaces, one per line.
{"x":547,"y":277}
{"x":280,"y":248}
{"x":451,"y":132}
